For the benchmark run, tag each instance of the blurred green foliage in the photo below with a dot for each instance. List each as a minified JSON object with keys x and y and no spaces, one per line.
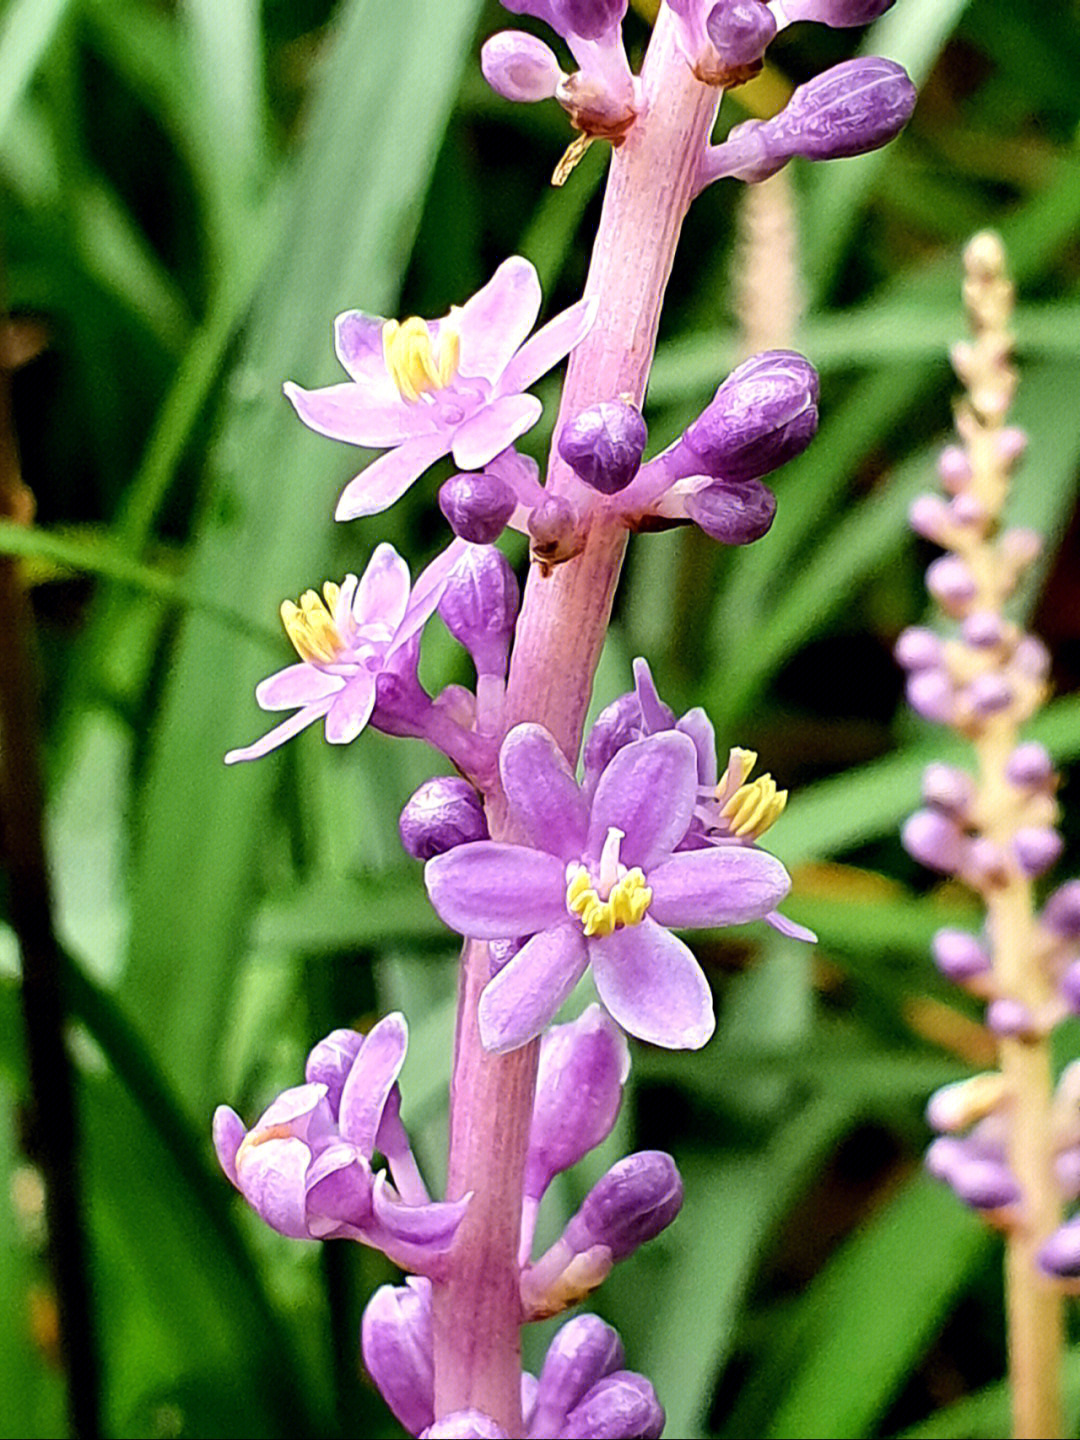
{"x":190,"y":192}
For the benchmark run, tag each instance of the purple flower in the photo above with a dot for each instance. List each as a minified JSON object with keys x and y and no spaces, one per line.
{"x":432,"y":388}
{"x":305,"y":1165}
{"x":599,"y":884}
{"x":358,"y":632}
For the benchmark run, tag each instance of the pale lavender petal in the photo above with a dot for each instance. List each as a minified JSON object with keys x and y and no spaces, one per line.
{"x":350,"y":709}
{"x":330,"y":1061}
{"x":724,"y":885}
{"x":375,"y":1069}
{"x":699,"y":727}
{"x":338,"y":1184}
{"x":547,"y":347}
{"x":300,"y":684}
{"x":397,"y":1345}
{"x":386,"y":479}
{"x":648,"y":791}
{"x":229,"y":1131}
{"x":427,"y":592}
{"x":496,"y":320}
{"x":303,"y":1109}
{"x":526,"y":993}
{"x":383,"y":590}
{"x":582,"y":1353}
{"x":358,"y":342}
{"x":493,"y":429}
{"x":655,"y":715}
{"x":540,"y":786}
{"x":271,"y":1178}
{"x":492,"y":891}
{"x":464,"y":1425}
{"x":790,"y":928}
{"x":432,"y":1226}
{"x":280,"y":733}
{"x":653,"y":987}
{"x":351,"y":413}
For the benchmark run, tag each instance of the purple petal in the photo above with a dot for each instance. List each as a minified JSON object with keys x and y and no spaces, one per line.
{"x":655,"y":715}
{"x":355,"y":414}
{"x":547,"y":347}
{"x":229,"y":1131}
{"x":374,"y":1071}
{"x":358,"y":342}
{"x":350,"y":709}
{"x":790,"y":928}
{"x":492,"y":891}
{"x":386,"y":479}
{"x":653,"y":987}
{"x":541,"y":788}
{"x":338,"y":1184}
{"x":493,"y":429}
{"x":271,"y":1177}
{"x":300,"y":684}
{"x":526,"y":993}
{"x":648,"y":791}
{"x":699,"y":727}
{"x":428,"y":590}
{"x":330,"y":1061}
{"x":397,"y":1345}
{"x":432,"y":1227}
{"x":303,"y":1109}
{"x":383,"y":591}
{"x":582,"y":1353}
{"x":622,"y":1406}
{"x":280,"y":733}
{"x":496,"y":320}
{"x":724,"y":885}
{"x":464,"y":1425}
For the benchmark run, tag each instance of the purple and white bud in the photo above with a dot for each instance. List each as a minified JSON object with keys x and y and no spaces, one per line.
{"x":1061,"y":914}
{"x":952,"y":584}
{"x":583,"y":1067}
{"x":959,"y":956}
{"x":989,"y":694}
{"x":520,"y":67}
{"x":954,"y":468}
{"x":948,"y":788}
{"x":398,"y":1348}
{"x":983,"y":630}
{"x":918,"y":648}
{"x":465,"y":1425}
{"x":638,"y":1197}
{"x":583,"y":1352}
{"x":934,"y":840}
{"x":479,"y":607}
{"x":1030,"y":767}
{"x":764,"y":414}
{"x":958,"y":1106}
{"x":984,"y":1184}
{"x":1011,"y":1018}
{"x":476,"y":507}
{"x":444,"y":812}
{"x":740,"y":31}
{"x":840,"y":14}
{"x":929,"y":517}
{"x":622,"y":1406}
{"x":1037,"y":848}
{"x":603,"y":445}
{"x":732,"y":514}
{"x":1060,"y":1256}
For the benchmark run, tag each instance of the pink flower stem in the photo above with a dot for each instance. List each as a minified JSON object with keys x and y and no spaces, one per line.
{"x":557,"y":647}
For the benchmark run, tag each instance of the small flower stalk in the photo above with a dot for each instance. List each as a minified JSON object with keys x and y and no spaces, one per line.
{"x":1007,"y":1140}
{"x":552,"y":868}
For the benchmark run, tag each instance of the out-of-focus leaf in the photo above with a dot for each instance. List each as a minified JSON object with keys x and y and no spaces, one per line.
{"x":27,"y":29}
{"x":987,"y":1414}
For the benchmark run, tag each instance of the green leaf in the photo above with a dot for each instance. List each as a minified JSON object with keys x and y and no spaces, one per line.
{"x":27,"y":30}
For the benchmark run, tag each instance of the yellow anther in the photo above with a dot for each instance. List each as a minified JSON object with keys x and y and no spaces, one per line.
{"x":310,"y":625}
{"x":755,"y":807}
{"x":410,"y":356}
{"x":626,"y":905}
{"x":331,"y":592}
{"x":740,"y":764}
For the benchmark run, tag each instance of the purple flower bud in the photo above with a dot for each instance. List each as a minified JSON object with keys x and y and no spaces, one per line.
{"x":637,"y":1198}
{"x":918,"y":648}
{"x":1061,"y":913}
{"x":1067,"y":1170}
{"x":584,"y":1351}
{"x":477,"y":507}
{"x":583,"y":1067}
{"x":856,"y":106}
{"x":968,"y":511}
{"x":520,"y":67}
{"x":951,"y":583}
{"x":604,"y":444}
{"x":1029,"y":767}
{"x":960,"y":956}
{"x":479,"y":607}
{"x":929,"y":517}
{"x":588,"y":19}
{"x":983,"y":629}
{"x":954,"y":467}
{"x":985,"y":862}
{"x":1032,"y":658}
{"x":397,"y":1345}
{"x":1021,"y":546}
{"x":1060,"y":1255}
{"x":1070,"y":986}
{"x":985,"y":1184}
{"x":764,"y":414}
{"x":943,"y":1155}
{"x":443,"y":812}
{"x":1012,"y":1018}
{"x":733,"y":514}
{"x":838,"y":13}
{"x":989,"y":694}
{"x":933,"y":840}
{"x":1037,"y":848}
{"x":740,"y":30}
{"x":948,"y":788}
{"x":622,"y":1406}
{"x":930,"y":694}
{"x":464,"y":1425}
{"x":553,"y":529}
{"x":1011,"y":443}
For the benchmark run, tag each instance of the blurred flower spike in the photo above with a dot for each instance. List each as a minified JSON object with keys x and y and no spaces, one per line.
{"x":434,"y":388}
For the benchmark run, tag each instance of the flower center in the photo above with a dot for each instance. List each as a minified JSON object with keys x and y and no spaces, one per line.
{"x":617,"y":897}
{"x":740,"y":810}
{"x":310,"y":625}
{"x":410,"y":356}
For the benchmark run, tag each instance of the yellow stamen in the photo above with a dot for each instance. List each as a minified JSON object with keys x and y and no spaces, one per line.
{"x":410,"y":356}
{"x":626,"y":904}
{"x":755,"y":807}
{"x":310,"y":625}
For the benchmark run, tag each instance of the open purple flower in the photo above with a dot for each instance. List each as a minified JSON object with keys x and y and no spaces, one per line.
{"x":430,"y":388}
{"x":305,"y":1165}
{"x":599,"y":884}
{"x":360,"y":630}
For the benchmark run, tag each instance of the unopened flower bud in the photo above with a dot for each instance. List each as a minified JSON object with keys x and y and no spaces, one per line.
{"x":960,"y":956}
{"x":985,"y":1184}
{"x":1061,"y":914}
{"x":1029,"y":767}
{"x":1011,"y":443}
{"x":958,"y":1106}
{"x":983,"y":629}
{"x":583,"y":19}
{"x":1012,"y":1018}
{"x":1020,"y":546}
{"x":622,"y":1406}
{"x":397,"y":1345}
{"x":929,"y":517}
{"x":520,"y":67}
{"x":989,"y":694}
{"x":933,"y":840}
{"x":1037,"y":848}
{"x":740,"y":31}
{"x":947,"y":788}
{"x":476,"y":507}
{"x":764,"y":414}
{"x":583,"y":1352}
{"x":443,"y":812}
{"x":954,"y":467}
{"x":1060,"y":1256}
{"x":838,"y":13}
{"x":553,"y":530}
{"x":985,"y":862}
{"x":1070,"y":987}
{"x":1032,"y":658}
{"x":637,"y":1198}
{"x":1067,"y":1171}
{"x":464,"y":1425}
{"x":967,"y":510}
{"x":951,"y":583}
{"x":918,"y":648}
{"x":604,"y":444}
{"x":856,"y":106}
{"x":479,"y":607}
{"x":733,"y":514}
